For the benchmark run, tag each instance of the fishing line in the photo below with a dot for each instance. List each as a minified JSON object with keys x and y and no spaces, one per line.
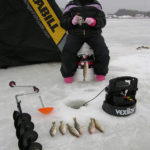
{"x":94,"y":97}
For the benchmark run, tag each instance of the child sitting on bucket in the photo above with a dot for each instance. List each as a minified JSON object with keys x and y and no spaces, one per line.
{"x":84,"y":19}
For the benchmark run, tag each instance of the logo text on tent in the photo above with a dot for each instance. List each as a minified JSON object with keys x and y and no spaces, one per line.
{"x":46,"y":14}
{"x":48,"y":18}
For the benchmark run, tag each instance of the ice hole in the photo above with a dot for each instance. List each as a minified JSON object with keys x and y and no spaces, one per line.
{"x":75,"y":104}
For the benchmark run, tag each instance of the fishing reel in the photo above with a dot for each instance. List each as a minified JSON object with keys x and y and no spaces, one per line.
{"x":120,"y":96}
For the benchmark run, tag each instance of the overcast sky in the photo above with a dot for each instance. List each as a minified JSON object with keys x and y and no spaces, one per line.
{"x":114,"y":5}
{"x":110,"y":6}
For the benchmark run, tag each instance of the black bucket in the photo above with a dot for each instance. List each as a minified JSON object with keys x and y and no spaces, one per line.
{"x":120,"y":97}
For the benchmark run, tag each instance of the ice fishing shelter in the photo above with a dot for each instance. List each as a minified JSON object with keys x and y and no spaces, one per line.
{"x":30,"y":32}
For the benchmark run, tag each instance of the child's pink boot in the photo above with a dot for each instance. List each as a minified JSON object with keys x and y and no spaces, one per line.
{"x":100,"y":77}
{"x":68,"y":80}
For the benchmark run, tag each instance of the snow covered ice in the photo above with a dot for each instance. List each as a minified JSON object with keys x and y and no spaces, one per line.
{"x":122,"y":36}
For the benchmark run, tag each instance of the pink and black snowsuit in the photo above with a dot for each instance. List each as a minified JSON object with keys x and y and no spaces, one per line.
{"x":78,"y":34}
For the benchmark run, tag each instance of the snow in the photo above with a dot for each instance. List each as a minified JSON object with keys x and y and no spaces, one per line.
{"x":132,"y":132}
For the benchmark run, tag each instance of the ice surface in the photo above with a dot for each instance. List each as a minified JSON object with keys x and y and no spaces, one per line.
{"x":122,"y":36}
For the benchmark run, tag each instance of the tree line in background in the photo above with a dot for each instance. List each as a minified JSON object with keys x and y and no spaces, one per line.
{"x":127,"y":12}
{"x":133,"y":13}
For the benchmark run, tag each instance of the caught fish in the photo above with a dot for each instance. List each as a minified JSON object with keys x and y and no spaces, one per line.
{"x":91,"y":127}
{"x":73,"y":131}
{"x":53,"y":129}
{"x":85,"y":70}
{"x":77,"y":126}
{"x":62,"y":128}
{"x":98,"y":126}
{"x":81,"y":21}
